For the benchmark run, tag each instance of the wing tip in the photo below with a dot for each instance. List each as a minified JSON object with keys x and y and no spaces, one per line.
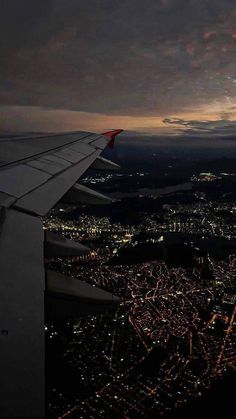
{"x":112,"y":135}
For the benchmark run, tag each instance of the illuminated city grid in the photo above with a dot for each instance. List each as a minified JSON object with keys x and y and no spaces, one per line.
{"x":181,"y":324}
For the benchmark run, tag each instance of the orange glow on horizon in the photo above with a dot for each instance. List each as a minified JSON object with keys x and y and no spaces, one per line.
{"x":38,"y":119}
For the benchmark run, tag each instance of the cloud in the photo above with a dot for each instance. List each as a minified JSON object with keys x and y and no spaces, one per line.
{"x":218,"y":128}
{"x":117,"y":57}
{"x":41,"y":119}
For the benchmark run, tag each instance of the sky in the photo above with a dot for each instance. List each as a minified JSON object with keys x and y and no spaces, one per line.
{"x":156,"y":66}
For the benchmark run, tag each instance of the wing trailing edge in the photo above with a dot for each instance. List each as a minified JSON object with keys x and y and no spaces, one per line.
{"x":57,"y":246}
{"x":80,"y":194}
{"x":68,"y":297}
{"x":104,"y":164}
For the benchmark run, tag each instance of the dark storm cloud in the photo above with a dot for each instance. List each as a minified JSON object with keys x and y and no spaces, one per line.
{"x":25,"y":23}
{"x":119,"y":57}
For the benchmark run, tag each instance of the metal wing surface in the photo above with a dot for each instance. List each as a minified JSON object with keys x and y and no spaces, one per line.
{"x":35,"y":173}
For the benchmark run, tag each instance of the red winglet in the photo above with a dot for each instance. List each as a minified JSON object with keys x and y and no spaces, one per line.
{"x":112,"y":135}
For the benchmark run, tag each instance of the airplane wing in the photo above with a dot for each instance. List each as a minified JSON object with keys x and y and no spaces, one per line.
{"x":35,"y":173}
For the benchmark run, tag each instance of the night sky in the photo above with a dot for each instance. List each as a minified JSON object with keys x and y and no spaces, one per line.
{"x":156,"y":66}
